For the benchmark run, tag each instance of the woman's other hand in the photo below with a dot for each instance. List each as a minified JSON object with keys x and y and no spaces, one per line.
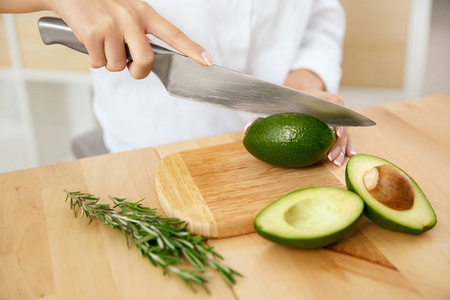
{"x":308,"y":82}
{"x":343,"y":146}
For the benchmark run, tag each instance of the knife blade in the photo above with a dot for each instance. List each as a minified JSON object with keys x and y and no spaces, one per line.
{"x":219,"y":86}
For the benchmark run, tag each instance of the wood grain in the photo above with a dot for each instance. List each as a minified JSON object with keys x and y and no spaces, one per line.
{"x":24,"y":245}
{"x":415,"y":138}
{"x":47,"y":253}
{"x":272,"y":271}
{"x":173,"y":181}
{"x":220,"y":189}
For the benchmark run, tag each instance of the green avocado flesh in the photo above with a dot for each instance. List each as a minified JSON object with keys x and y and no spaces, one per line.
{"x":398,"y":204}
{"x":289,"y":140}
{"x":310,"y":218}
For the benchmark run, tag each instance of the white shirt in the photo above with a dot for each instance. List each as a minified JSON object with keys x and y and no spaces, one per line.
{"x":263,"y":38}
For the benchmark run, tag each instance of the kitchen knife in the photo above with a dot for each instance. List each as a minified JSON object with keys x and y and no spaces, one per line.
{"x":218,"y":86}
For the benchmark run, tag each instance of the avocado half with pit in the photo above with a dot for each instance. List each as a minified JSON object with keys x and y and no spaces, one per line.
{"x":392,"y":199}
{"x":310,"y":218}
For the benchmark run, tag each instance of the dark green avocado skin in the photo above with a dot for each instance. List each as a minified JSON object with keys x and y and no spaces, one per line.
{"x":308,"y":243}
{"x":378,"y":218}
{"x":289,"y":140}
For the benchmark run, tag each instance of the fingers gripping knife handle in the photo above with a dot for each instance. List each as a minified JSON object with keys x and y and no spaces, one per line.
{"x":56,"y":31}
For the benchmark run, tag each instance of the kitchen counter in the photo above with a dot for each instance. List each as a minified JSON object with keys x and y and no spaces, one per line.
{"x":47,"y":253}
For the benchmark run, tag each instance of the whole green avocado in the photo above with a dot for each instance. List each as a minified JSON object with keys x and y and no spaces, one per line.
{"x":289,"y":140}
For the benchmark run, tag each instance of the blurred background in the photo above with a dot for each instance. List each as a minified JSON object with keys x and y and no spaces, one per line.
{"x":393,"y":51}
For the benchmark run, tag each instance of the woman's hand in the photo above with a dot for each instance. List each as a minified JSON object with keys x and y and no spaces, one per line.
{"x":104,"y":26}
{"x":343,"y":146}
{"x":308,"y":82}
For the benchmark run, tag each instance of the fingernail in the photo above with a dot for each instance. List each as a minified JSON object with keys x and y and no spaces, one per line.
{"x":339,"y":131}
{"x":207,"y":58}
{"x":249,"y":124}
{"x":334,"y":153}
{"x":340,"y":159}
{"x":247,"y":127}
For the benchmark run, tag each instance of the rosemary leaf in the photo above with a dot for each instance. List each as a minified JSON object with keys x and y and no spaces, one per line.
{"x":164,"y":241}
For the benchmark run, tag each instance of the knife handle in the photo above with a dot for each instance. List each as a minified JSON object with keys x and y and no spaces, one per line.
{"x":55,"y":31}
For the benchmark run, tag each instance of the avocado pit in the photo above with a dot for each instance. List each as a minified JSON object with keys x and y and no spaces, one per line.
{"x":390,"y":186}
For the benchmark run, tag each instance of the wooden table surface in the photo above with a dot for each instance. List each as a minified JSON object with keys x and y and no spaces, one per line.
{"x":47,"y":253}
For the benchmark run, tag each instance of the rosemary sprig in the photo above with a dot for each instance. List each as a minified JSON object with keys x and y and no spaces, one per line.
{"x":164,"y":241}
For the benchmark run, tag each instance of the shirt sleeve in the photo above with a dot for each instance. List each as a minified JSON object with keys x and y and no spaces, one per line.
{"x":321,"y":47}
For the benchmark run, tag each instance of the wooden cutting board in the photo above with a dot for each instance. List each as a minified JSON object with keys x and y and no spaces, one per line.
{"x":220,"y":189}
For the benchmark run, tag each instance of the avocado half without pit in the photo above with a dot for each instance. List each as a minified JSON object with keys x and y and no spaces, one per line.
{"x":392,"y":199}
{"x":310,"y":218}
